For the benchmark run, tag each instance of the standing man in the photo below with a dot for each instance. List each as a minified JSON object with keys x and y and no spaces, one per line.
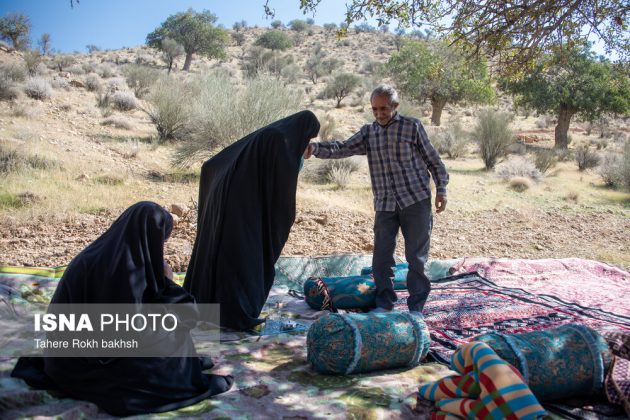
{"x":401,"y":161}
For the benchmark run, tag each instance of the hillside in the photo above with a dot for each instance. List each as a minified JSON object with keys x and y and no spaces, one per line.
{"x":73,"y":167}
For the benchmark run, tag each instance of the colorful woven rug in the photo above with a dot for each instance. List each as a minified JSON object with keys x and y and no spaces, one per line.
{"x":588,"y":283}
{"x":462,"y":307}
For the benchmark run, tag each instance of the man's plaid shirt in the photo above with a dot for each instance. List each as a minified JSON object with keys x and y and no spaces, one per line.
{"x":400,"y":158}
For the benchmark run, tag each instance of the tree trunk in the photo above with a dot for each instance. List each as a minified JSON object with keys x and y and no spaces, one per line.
{"x":437,"y":106}
{"x":562,"y":128}
{"x":188,"y":61}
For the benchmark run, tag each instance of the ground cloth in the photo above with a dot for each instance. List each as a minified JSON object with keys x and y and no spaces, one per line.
{"x":272,"y":376}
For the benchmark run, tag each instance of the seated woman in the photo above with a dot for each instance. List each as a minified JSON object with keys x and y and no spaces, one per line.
{"x":246,"y":209}
{"x":125,"y":265}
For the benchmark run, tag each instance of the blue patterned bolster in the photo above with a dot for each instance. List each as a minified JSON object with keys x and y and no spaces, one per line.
{"x":400,"y":271}
{"x":563,"y":362}
{"x":355,"y":343}
{"x":344,"y":292}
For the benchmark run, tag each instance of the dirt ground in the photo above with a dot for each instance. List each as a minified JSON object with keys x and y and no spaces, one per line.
{"x":509,"y":233}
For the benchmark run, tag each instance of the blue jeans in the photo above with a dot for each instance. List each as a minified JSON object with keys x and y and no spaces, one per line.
{"x":415,"y":222}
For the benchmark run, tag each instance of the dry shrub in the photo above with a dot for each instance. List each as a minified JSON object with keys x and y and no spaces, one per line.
{"x":520,"y":183}
{"x":544,"y":160}
{"x":340,"y":176}
{"x":453,"y":142}
{"x":118,"y":123}
{"x":13,"y":161}
{"x":572,"y":196}
{"x":38,"y":88}
{"x":92,"y":82}
{"x":586,"y":158}
{"x":517,"y":167}
{"x":327,"y":127}
{"x":493,"y":133}
{"x":110,"y":180}
{"x":124,"y":101}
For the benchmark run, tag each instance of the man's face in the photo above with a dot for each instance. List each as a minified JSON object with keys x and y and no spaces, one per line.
{"x":381,"y":108}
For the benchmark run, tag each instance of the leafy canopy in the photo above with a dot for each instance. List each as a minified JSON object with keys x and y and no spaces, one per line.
{"x":433,"y":70}
{"x":575,"y":80}
{"x":194,"y":31}
{"x":515,"y":31}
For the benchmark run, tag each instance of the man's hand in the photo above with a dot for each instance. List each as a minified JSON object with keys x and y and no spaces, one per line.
{"x":440,"y":203}
{"x":309,"y":151}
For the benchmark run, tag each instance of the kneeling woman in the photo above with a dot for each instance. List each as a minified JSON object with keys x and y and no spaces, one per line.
{"x":125,"y":265}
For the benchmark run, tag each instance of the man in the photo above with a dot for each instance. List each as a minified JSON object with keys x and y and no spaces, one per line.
{"x":400,"y":158}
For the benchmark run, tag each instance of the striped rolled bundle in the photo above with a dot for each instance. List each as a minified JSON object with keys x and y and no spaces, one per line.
{"x":349,"y":292}
{"x":563,"y":362}
{"x":355,"y":343}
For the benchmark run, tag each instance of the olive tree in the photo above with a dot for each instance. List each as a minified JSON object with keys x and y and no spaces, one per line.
{"x":195,"y":32}
{"x":431,"y":70}
{"x":570,"y":82}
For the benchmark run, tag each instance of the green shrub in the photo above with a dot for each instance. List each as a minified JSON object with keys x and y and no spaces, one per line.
{"x":239,"y":38}
{"x":290,"y":73}
{"x":274,"y":40}
{"x":336,"y":171}
{"x":330,"y":27}
{"x":298,"y":25}
{"x":8,"y":89}
{"x":327,"y":127}
{"x":32,"y":59}
{"x":493,"y":134}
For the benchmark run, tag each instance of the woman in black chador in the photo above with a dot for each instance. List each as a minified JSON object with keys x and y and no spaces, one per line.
{"x":125,"y":265}
{"x":246,"y":209}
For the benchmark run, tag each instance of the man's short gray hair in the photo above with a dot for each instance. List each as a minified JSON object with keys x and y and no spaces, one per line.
{"x":386,"y":90}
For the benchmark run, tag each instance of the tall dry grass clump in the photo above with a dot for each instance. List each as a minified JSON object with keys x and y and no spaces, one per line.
{"x":493,"y":134}
{"x":453,"y":142}
{"x":169,"y":105}
{"x":221,"y":113}
{"x":586,"y":158}
{"x":614,"y":168}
